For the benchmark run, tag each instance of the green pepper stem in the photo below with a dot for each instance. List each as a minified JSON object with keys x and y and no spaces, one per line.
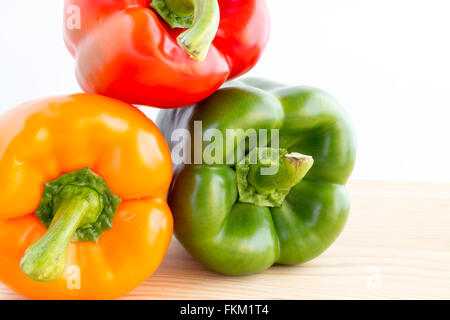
{"x":74,"y":207}
{"x":268,"y":174}
{"x":291,"y":169}
{"x":200,"y":17}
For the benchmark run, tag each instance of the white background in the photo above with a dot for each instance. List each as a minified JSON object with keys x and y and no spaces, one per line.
{"x":386,"y":61}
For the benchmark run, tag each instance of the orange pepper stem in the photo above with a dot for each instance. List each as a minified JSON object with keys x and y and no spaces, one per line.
{"x":200,"y":17}
{"x":74,"y":207}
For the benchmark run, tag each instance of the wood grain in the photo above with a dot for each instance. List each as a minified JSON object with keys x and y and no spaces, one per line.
{"x":396,"y":245}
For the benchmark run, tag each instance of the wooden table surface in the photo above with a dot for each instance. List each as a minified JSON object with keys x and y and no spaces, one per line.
{"x":396,"y":245}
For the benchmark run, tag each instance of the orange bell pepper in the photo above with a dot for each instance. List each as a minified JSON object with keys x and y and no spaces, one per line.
{"x":46,"y":147}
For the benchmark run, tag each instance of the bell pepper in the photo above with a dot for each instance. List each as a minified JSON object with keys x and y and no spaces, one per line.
{"x":83,"y":212}
{"x":229,"y":214}
{"x":163,"y":53}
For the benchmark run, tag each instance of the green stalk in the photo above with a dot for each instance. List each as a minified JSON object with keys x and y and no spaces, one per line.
{"x":201,"y":18}
{"x":267,"y":175}
{"x":74,"y":206}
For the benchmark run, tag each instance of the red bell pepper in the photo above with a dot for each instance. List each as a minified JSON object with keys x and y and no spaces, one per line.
{"x":163,"y":53}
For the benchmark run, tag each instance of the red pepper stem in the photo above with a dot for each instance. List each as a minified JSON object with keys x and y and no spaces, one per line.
{"x":200,"y":17}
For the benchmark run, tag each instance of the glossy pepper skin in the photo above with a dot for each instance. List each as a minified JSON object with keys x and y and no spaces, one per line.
{"x":236,"y":238}
{"x":125,"y":50}
{"x":44,"y":139}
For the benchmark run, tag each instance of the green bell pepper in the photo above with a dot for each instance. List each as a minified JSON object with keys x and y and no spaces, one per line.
{"x":231,"y":217}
